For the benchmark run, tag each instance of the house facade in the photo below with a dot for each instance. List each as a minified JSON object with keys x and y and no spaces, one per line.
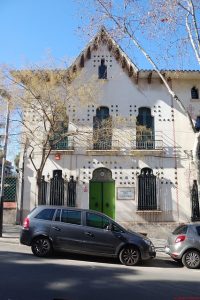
{"x":134,"y":154}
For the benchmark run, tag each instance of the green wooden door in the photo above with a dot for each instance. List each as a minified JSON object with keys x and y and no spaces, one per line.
{"x":95,"y":196}
{"x":102,"y":197}
{"x":109,"y":198}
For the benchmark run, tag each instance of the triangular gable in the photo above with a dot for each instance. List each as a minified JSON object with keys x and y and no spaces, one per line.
{"x":103,"y":37}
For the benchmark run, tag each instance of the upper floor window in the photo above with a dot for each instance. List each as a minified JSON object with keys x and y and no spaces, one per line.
{"x":102,"y":70}
{"x":59,"y":139}
{"x":194,"y":93}
{"x":145,"y":129}
{"x":102,"y":129}
{"x":197,"y":124}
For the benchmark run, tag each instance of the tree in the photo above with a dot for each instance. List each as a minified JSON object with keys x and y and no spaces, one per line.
{"x":134,"y":21}
{"x":16,"y":161}
{"x":42,"y":99}
{"x":179,"y":20}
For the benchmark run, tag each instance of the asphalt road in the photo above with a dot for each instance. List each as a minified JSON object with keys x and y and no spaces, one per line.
{"x":72,"y":277}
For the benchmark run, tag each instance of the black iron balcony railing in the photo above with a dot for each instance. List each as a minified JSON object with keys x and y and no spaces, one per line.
{"x":63,"y":145}
{"x":147,"y":144}
{"x":105,"y":145}
{"x":102,"y":145}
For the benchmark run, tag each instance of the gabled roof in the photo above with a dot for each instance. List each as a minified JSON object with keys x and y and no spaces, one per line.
{"x":103,"y":37}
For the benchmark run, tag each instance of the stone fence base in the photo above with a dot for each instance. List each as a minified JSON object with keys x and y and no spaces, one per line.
{"x":9,"y":212}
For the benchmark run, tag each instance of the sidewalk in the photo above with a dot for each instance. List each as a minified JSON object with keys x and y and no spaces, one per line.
{"x":10,"y":234}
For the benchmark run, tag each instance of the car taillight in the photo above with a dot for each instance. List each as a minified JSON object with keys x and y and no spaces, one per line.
{"x":26,"y":223}
{"x":180,"y":238}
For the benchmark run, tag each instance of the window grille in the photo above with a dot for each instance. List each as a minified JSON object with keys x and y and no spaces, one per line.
{"x":102,"y":70}
{"x":194,"y":93}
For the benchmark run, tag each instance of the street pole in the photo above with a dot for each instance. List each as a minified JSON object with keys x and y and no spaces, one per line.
{"x":3,"y":167}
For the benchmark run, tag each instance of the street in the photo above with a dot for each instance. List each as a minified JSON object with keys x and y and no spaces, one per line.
{"x":72,"y":277}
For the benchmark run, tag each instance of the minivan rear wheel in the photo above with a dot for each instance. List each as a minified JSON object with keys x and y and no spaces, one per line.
{"x":191,"y":259}
{"x":129,"y":256}
{"x":41,"y":247}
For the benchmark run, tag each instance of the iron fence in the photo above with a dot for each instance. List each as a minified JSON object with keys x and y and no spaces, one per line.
{"x":10,"y":189}
{"x":195,"y":202}
{"x":58,"y":191}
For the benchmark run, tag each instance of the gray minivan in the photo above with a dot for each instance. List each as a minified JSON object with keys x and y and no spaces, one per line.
{"x":49,"y":228}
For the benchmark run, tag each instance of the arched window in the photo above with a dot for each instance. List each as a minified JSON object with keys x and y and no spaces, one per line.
{"x":102,"y":129}
{"x":194,"y":93}
{"x":197,"y":124}
{"x":102,"y":70}
{"x":147,"y":199}
{"x":145,"y":129}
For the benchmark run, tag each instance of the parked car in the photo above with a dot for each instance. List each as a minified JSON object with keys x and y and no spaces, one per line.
{"x":184,"y":245}
{"x":49,"y":228}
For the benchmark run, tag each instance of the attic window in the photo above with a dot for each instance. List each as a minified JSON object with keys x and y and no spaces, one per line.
{"x":194,"y":93}
{"x":103,"y":70}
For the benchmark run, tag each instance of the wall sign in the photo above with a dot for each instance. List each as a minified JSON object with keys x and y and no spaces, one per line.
{"x":125,"y":193}
{"x":57,"y":156}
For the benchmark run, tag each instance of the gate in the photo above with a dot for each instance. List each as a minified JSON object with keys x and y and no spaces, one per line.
{"x":58,"y":191}
{"x":195,"y":202}
{"x":147,"y":199}
{"x":71,"y":192}
{"x":102,"y":192}
{"x":43,"y":191}
{"x":57,"y":188}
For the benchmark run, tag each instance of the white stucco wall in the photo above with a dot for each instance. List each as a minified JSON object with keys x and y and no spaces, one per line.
{"x":173,"y":167}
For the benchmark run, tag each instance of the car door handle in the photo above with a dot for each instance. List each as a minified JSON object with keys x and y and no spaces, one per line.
{"x":89,"y":233}
{"x":56,"y":228}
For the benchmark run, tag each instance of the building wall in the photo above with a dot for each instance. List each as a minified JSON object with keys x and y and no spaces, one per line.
{"x":173,"y":167}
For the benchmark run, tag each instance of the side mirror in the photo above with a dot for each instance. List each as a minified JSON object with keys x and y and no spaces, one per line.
{"x":108,"y":227}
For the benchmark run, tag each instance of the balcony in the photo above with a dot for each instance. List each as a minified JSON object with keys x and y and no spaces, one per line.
{"x":146,"y":146}
{"x":103,"y":147}
{"x":64,"y":145}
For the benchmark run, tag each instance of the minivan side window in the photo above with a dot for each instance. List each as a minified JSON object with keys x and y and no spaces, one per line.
{"x":116,"y":228}
{"x":57,"y":218}
{"x":46,"y":214}
{"x":71,"y":216}
{"x":97,"y":221}
{"x":198,"y":230}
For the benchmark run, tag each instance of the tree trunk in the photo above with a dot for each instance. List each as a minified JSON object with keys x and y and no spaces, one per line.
{"x":39,"y":186}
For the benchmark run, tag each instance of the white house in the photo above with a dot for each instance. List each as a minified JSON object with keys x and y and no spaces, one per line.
{"x":142,"y":171}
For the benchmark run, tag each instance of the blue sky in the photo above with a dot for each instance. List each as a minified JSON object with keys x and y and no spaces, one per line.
{"x":30,"y":29}
{"x":33,"y":30}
